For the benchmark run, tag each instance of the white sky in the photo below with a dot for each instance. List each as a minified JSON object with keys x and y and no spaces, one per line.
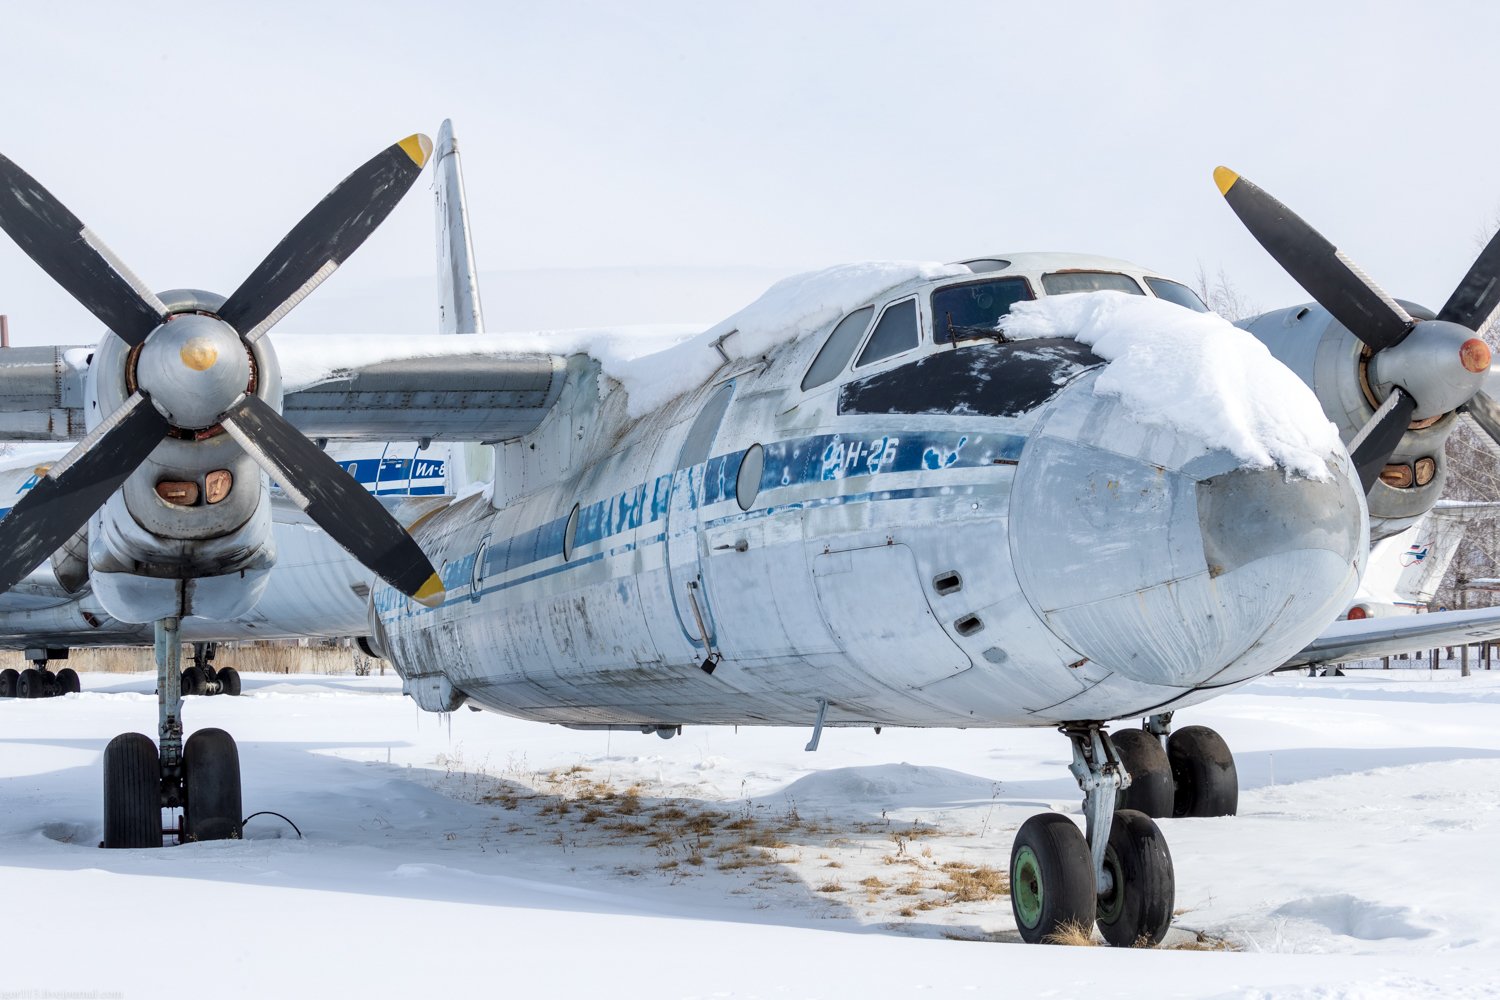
{"x":756,"y":137}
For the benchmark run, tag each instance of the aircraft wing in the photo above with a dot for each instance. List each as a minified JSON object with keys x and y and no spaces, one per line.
{"x":444,"y":388}
{"x":1371,"y":637}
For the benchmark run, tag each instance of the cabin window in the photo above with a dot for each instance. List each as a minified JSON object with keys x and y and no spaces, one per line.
{"x":896,"y":332}
{"x":747,"y":482}
{"x":964,"y":312}
{"x":700,"y":437}
{"x":570,"y":534}
{"x":1175,"y":291}
{"x":1064,"y":282}
{"x":838,"y":349}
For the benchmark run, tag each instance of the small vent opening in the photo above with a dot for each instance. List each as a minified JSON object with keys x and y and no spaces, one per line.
{"x":947,"y":583}
{"x":968,"y":625}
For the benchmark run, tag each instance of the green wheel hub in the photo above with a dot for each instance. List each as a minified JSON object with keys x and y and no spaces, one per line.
{"x":1026,"y":887}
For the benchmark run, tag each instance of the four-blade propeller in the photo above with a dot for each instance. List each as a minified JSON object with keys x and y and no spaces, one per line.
{"x":74,"y":488}
{"x":1423,"y":367}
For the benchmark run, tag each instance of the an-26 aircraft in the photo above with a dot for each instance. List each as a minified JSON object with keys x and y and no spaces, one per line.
{"x":892,"y":514}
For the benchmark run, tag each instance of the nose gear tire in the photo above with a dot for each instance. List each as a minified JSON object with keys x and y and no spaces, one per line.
{"x":1051,"y":878}
{"x":1138,"y":908}
{"x":132,"y":792}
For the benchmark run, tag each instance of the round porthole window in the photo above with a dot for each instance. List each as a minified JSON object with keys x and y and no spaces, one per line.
{"x":747,"y":483}
{"x":570,"y":533}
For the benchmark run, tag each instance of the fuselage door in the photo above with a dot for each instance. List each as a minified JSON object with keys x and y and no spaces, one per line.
{"x":684,"y":549}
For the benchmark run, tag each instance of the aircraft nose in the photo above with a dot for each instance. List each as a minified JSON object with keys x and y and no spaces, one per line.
{"x":1162,"y":560}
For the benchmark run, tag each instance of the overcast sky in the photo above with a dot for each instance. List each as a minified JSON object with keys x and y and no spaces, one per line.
{"x":752,"y":137}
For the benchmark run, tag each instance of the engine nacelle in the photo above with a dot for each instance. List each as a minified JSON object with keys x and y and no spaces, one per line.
{"x":1335,"y":364}
{"x":197,"y":509}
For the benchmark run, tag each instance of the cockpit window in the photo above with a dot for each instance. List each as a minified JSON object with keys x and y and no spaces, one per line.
{"x":974,"y":310}
{"x":896,"y":332}
{"x":838,"y":348}
{"x":1174,"y":291}
{"x":1063,"y":282}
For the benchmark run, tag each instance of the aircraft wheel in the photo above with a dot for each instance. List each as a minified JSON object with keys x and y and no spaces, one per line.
{"x":230,"y":678}
{"x":1150,"y":790}
{"x":1051,"y":878}
{"x":67,"y":681}
{"x":211,"y":787}
{"x":192,"y":681}
{"x":10,"y":680}
{"x":1203,"y":769}
{"x":32,"y":684}
{"x":1138,"y":908}
{"x":132,"y":792}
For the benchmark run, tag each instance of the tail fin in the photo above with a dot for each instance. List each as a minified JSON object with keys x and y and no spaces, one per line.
{"x":458,"y":281}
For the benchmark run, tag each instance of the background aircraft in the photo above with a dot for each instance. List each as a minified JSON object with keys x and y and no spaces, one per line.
{"x":872,"y":498}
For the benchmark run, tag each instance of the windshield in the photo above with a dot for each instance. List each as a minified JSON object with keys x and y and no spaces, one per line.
{"x":1177,"y":292}
{"x":964,"y":312}
{"x":1063,"y":282}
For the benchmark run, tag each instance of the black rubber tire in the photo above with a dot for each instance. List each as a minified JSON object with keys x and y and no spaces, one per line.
{"x":132,"y":792}
{"x":230,"y":679}
{"x":10,"y":680}
{"x":192,"y":681}
{"x":1138,"y":909}
{"x":1050,"y":864}
{"x":1203,"y":769}
{"x":1151,"y":790}
{"x":67,"y":681}
{"x":211,"y":808}
{"x":32,"y":684}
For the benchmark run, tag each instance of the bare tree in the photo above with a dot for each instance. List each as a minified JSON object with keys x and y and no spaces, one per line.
{"x":1221,"y":295}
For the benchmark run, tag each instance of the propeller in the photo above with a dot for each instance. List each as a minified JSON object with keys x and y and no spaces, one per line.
{"x":192,"y":371}
{"x":1423,"y":368}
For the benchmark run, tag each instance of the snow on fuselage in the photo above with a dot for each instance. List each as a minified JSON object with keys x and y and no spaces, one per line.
{"x":960,"y":532}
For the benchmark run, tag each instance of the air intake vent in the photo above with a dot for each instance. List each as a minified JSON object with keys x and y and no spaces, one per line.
{"x":968,"y":625}
{"x":947,"y":583}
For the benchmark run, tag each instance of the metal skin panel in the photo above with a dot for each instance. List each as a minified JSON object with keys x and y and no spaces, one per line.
{"x":1238,"y":559}
{"x":598,"y":637}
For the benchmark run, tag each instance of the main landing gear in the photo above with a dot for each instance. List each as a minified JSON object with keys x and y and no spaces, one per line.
{"x":202,"y":679}
{"x":1118,"y":875}
{"x":202,"y":777}
{"x":36,"y":681}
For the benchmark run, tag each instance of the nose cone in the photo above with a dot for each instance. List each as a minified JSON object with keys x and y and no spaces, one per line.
{"x":1162,"y":560}
{"x":193,"y":368}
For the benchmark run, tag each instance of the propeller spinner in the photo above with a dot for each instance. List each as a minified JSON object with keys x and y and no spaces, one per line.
{"x":1419,"y":368}
{"x":194,"y":372}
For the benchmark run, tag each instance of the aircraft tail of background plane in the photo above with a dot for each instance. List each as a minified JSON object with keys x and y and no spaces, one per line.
{"x":459,"y":310}
{"x":1406,"y":569}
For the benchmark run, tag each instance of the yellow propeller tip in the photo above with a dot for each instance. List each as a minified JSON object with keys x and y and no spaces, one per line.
{"x":431,"y":593}
{"x":418,"y":147}
{"x":1225,"y":178}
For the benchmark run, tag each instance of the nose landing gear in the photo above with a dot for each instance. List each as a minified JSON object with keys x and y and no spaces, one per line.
{"x":1118,"y":875}
{"x":202,"y":777}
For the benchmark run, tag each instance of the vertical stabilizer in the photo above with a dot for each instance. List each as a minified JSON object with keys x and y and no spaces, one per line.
{"x":458,"y":281}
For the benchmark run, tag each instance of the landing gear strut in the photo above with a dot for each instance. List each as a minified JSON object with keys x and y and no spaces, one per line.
{"x":36,"y":681}
{"x":141,"y":779}
{"x":1119,"y":875}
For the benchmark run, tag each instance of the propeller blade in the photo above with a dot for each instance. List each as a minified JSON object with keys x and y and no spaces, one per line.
{"x":333,"y":499}
{"x":325,"y":238}
{"x":1378,"y":438}
{"x":67,"y":496}
{"x":1332,"y":279}
{"x":1483,"y":408}
{"x":1478,"y":293}
{"x":75,"y":258}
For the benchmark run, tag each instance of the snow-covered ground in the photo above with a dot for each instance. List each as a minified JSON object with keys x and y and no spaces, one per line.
{"x":477,"y":855}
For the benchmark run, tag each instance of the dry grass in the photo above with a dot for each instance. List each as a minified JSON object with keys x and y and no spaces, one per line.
{"x":1074,"y":935}
{"x":974,"y":884}
{"x":260,"y":657}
